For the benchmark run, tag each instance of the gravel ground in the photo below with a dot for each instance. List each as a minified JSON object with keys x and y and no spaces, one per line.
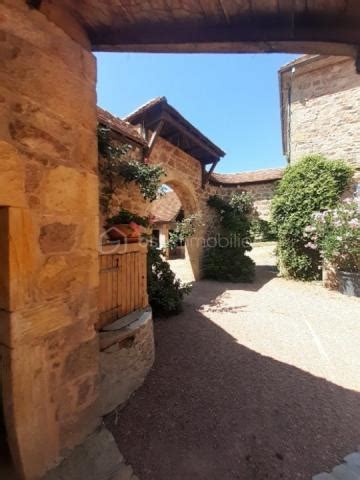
{"x":250,"y":382}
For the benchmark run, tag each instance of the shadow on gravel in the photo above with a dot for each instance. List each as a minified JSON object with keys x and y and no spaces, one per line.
{"x":211,"y":409}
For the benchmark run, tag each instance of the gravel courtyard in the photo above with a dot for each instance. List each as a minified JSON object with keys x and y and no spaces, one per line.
{"x":250,"y":382}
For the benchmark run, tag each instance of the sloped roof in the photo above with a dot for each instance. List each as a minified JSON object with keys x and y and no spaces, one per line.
{"x":166,"y":208}
{"x":176,"y":129}
{"x":120,"y":126}
{"x":257,"y":176}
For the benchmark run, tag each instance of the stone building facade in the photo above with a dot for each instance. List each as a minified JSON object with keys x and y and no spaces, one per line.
{"x":320,"y":105}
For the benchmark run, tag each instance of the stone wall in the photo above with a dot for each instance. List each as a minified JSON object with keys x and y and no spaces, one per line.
{"x":325,"y":103}
{"x":48,"y":236}
{"x":262,"y":194}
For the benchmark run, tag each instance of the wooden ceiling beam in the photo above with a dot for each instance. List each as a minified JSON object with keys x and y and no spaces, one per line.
{"x":188,"y":134}
{"x":267,"y":30}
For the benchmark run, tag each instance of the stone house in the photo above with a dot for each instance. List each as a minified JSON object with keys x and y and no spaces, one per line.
{"x":320,"y":105}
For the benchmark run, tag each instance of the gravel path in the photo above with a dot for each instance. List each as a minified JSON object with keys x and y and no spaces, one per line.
{"x":251,"y":382}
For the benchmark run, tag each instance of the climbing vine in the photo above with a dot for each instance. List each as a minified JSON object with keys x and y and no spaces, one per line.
{"x":115,"y":161}
{"x":184,"y":229}
{"x":225,"y":257}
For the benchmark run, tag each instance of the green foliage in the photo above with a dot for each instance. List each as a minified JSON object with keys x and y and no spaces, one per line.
{"x":126,"y":217}
{"x":148,"y":177}
{"x":228,"y":265}
{"x":166,"y":292}
{"x":226,"y":259}
{"x":336,"y":235}
{"x":110,"y":158}
{"x":262,"y":230}
{"x":233,"y":213}
{"x":115,"y":161}
{"x":312,"y":184}
{"x":183,"y":230}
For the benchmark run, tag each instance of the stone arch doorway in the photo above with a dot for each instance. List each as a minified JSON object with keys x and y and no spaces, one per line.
{"x":178,"y":202}
{"x":187,"y":157}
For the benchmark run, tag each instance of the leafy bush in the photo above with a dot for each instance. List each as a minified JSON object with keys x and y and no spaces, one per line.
{"x":262,"y":230}
{"x":228,"y":265}
{"x":336,"y":235}
{"x":226,"y":260}
{"x":166,"y":292}
{"x":312,"y":184}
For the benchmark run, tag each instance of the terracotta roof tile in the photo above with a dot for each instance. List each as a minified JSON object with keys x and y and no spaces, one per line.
{"x":166,"y":208}
{"x":120,"y":126}
{"x":257,"y":176}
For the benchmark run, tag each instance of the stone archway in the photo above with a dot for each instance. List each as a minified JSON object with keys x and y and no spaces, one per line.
{"x":193,"y":245}
{"x":183,"y":174}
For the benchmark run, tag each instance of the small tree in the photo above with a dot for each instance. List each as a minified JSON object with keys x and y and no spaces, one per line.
{"x":313,"y":184}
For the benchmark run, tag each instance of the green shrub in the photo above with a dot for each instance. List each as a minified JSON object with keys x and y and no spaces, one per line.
{"x":313,"y":184}
{"x":166,"y":292}
{"x":228,"y":265}
{"x":226,"y":260}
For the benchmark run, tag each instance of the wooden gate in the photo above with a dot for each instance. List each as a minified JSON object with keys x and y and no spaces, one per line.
{"x":123,"y":280}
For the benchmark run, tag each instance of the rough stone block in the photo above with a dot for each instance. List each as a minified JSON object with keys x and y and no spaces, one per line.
{"x":96,"y":458}
{"x":68,"y":191}
{"x":57,"y":237}
{"x":124,"y":365}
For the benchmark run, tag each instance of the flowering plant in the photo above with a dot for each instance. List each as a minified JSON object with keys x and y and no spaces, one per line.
{"x":336,"y":234}
{"x":129,"y":218}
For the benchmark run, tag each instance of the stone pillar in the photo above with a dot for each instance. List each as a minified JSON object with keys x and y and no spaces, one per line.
{"x":48,"y":235}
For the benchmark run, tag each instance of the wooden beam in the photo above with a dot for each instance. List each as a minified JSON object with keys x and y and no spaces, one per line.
{"x":154,"y":137}
{"x":211,"y":170}
{"x":270,"y":29}
{"x":188,"y":134}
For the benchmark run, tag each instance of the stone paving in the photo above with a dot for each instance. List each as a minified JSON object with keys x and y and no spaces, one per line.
{"x":349,"y":470}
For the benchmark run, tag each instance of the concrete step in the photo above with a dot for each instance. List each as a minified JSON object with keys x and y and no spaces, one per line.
{"x":323,"y":476}
{"x":343,"y":472}
{"x":353,"y":459}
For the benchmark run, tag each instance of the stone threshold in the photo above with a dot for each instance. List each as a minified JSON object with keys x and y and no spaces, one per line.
{"x":97,"y":458}
{"x":123,"y":328}
{"x":349,"y":470}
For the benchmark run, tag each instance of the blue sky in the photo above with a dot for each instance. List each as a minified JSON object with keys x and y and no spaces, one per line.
{"x":232,"y":99}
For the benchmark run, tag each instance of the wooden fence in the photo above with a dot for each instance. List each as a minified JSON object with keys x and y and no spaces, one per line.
{"x":123,"y":280}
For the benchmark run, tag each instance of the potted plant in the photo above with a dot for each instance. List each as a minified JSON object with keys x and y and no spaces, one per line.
{"x":336,"y":234}
{"x":126,"y":226}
